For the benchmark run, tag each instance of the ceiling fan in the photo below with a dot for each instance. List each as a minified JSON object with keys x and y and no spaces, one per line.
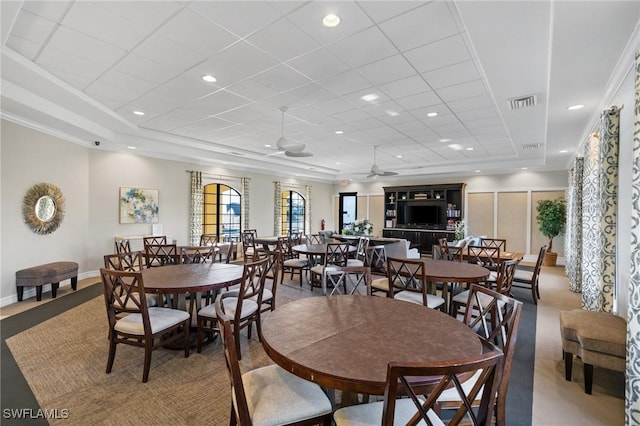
{"x":288,"y":148}
{"x":375,"y":170}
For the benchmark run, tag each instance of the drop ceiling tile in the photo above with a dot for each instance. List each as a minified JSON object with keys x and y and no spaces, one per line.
{"x":363,"y":48}
{"x":251,"y":89}
{"x":426,"y":24}
{"x":439,"y":54}
{"x":447,"y":128}
{"x":165,"y":51}
{"x":394,"y":118}
{"x":386,"y":70}
{"x":405,"y":87}
{"x":145,"y":69}
{"x":356,"y":97}
{"x":272,"y":40}
{"x":382,"y":109}
{"x":184,"y":89}
{"x":333,"y":106}
{"x":169,"y":121}
{"x":92,"y":19}
{"x":32,"y":28}
{"x":197,"y":33}
{"x":318,"y":64}
{"x":244,"y":114}
{"x":309,"y":18}
{"x":345,"y":83}
{"x":119,"y":87}
{"x":351,"y":116}
{"x":477,"y":114}
{"x":421,"y":100}
{"x":452,"y":74}
{"x":51,"y":10}
{"x":462,"y":91}
{"x":26,"y":48}
{"x":476,"y":102}
{"x":368,"y":124}
{"x":242,"y":19}
{"x":76,"y":71}
{"x":145,"y":14}
{"x":215,"y":103}
{"x":281,"y":78}
{"x":380,"y":11}
{"x":483,"y":122}
{"x":202,"y":127}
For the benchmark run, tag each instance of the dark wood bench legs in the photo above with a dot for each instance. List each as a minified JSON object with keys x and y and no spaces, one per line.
{"x":54,"y":289}
{"x":588,"y":372}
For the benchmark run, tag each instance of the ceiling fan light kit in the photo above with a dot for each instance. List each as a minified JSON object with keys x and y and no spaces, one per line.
{"x":290,"y":149}
{"x":375,"y":170}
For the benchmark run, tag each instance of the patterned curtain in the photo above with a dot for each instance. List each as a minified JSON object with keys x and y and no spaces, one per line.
{"x":195,"y":210}
{"x":573,"y":234}
{"x":277,"y":209}
{"x":599,"y":215}
{"x":307,"y":216}
{"x":632,"y":401}
{"x":244,"y":208}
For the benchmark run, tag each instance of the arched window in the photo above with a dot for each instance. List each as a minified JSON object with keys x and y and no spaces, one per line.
{"x":221,"y":212}
{"x":293,"y":211}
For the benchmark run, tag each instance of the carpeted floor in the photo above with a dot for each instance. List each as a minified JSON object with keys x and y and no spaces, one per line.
{"x":63,"y":355}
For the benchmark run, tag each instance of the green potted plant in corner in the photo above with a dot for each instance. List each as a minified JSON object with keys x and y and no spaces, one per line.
{"x":552,"y":215}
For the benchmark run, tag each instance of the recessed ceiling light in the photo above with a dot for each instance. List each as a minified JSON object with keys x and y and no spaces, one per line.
{"x":575,"y":107}
{"x":563,"y":151}
{"x":131,"y":147}
{"x":455,"y":146}
{"x":470,"y":148}
{"x":138,"y":113}
{"x":338,"y":163}
{"x":339,"y":132}
{"x":331,"y":21}
{"x":445,"y":140}
{"x":267,"y":145}
{"x":370,"y":97}
{"x":393,"y":113}
{"x":398,"y":156}
{"x":524,"y":168}
{"x":477,"y":171}
{"x":209,"y":78}
{"x":432,"y":114}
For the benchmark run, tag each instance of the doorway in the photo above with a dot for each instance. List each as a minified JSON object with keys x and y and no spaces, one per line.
{"x":348,"y":209}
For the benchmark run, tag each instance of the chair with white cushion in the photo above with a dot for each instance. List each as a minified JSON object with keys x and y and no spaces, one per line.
{"x":242,"y":305}
{"x":496,"y":317}
{"x":408,"y":282}
{"x":270,"y":395}
{"x":360,"y":258}
{"x":132,"y":322}
{"x":336,"y":255}
{"x":529,"y":278}
{"x":423,"y":408}
{"x":291,"y":261}
{"x":342,"y":279}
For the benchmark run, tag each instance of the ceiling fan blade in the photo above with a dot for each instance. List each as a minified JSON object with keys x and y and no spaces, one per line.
{"x":298,"y":154}
{"x":387,"y":174}
{"x":371,"y":175}
{"x":271,"y":154}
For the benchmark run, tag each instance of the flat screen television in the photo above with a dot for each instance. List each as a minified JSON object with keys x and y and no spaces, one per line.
{"x":421,"y":214}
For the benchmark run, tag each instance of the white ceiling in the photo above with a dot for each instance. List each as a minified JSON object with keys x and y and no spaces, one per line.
{"x":78,"y":69}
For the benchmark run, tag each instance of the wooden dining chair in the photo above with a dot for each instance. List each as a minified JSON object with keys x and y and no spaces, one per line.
{"x":274,"y":254}
{"x":224,"y":252}
{"x":487,"y":257}
{"x":314,"y":239}
{"x":123,"y":246}
{"x":161,"y":255}
{"x":408,"y":282}
{"x":208,"y":239}
{"x":529,"y":279}
{"x":269,"y":395}
{"x":241,"y":304}
{"x":291,"y":261}
{"x":406,"y":403}
{"x":131,"y":262}
{"x":155,"y":239}
{"x":336,"y":255}
{"x":362,"y":249}
{"x":501,"y":243}
{"x":496,"y":317}
{"x":448,"y":252}
{"x":132,"y":322}
{"x":197,"y":254}
{"x":347,"y":278}
{"x":249,"y":244}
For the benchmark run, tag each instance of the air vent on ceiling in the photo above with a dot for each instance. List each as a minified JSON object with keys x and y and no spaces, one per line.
{"x":522,"y":102}
{"x":531,"y":146}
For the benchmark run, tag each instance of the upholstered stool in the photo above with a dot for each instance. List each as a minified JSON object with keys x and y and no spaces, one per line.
{"x":599,"y":338}
{"x":50,"y":273}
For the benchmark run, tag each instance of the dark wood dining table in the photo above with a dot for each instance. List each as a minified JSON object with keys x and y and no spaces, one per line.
{"x":345,"y":342}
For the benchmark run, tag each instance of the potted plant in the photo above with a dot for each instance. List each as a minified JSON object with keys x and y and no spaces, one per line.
{"x":552,"y":215}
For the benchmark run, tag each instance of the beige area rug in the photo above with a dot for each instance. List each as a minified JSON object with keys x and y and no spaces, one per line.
{"x":64,"y":361}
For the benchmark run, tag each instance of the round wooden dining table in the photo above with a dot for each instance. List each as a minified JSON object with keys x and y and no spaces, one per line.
{"x":190,"y":277}
{"x":345,"y":342}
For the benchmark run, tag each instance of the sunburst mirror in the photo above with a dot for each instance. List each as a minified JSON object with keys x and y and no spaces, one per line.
{"x":43,"y":208}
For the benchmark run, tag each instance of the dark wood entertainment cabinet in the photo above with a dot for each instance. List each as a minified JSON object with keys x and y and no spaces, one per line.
{"x":446,"y":199}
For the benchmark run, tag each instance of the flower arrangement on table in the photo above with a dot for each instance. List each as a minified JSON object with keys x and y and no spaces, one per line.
{"x":459,"y":234}
{"x":362,"y":227}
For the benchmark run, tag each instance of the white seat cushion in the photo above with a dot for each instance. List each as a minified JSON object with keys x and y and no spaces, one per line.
{"x":277,"y":397}
{"x":452,"y":394}
{"x":296,"y":263}
{"x":319,"y":269}
{"x":521,"y":275}
{"x":230,"y":303}
{"x":433,"y":301}
{"x":160,"y":319}
{"x":266,"y":295}
{"x":371,"y":414}
{"x":355,"y":262}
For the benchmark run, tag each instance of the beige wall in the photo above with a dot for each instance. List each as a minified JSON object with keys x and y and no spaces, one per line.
{"x":511,"y":215}
{"x":90,"y":180}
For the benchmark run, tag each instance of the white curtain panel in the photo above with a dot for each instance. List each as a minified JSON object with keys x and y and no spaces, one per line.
{"x":277,"y":209}
{"x":632,"y":394}
{"x":573,"y":234}
{"x":599,"y":215}
{"x":195,"y":209}
{"x":307,"y":215}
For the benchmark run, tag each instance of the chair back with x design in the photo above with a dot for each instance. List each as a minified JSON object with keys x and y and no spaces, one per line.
{"x":488,"y":257}
{"x":161,"y":255}
{"x":197,"y":254}
{"x":341,"y":279}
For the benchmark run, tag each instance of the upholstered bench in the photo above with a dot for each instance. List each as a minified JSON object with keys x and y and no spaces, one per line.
{"x":599,"y":338}
{"x":50,"y":273}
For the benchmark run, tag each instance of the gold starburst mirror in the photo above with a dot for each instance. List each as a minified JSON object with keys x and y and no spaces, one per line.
{"x":43,"y":208}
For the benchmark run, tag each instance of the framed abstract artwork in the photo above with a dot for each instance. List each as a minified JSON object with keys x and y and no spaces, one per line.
{"x":138,"y":205}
